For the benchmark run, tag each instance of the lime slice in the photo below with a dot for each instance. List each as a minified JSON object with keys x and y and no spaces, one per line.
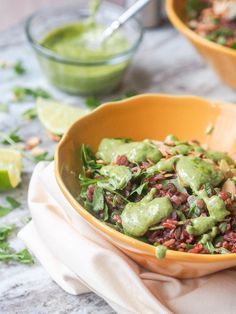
{"x":57,"y":117}
{"x":10,"y":168}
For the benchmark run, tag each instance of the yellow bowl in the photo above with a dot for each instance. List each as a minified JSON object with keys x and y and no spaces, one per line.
{"x":223,"y":59}
{"x":148,"y":116}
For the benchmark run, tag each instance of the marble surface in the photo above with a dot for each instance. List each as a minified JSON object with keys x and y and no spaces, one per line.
{"x":165,"y":63}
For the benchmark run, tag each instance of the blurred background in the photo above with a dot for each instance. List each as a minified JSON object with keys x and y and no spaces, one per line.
{"x":13,"y":11}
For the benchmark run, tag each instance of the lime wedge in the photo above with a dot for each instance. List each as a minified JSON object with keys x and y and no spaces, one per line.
{"x":57,"y":117}
{"x":10,"y":168}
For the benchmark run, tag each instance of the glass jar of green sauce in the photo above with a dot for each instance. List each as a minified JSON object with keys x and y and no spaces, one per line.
{"x":61,"y":38}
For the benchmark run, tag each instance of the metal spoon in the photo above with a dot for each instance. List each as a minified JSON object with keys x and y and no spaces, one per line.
{"x":130,"y":12}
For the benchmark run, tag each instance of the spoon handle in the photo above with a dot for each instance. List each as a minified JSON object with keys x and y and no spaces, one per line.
{"x":131,"y":11}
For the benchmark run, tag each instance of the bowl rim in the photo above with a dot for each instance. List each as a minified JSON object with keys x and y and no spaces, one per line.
{"x":48,"y":53}
{"x":122,"y":238}
{"x":183,"y":28}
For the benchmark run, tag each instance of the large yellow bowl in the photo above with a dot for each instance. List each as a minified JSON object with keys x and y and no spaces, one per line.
{"x":148,"y":116}
{"x":223,"y":59}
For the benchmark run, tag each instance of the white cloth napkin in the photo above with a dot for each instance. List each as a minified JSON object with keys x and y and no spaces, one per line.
{"x":81,"y":260}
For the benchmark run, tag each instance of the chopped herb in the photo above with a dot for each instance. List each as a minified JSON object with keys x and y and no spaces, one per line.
{"x":6,"y":231}
{"x":139,"y":190}
{"x":210,"y":247}
{"x":222,"y":250}
{"x":180,"y":215}
{"x":12,"y":136}
{"x":42,"y":157}
{"x":106,"y":213}
{"x":223,"y":227}
{"x":92,"y":102}
{"x":19,"y":68}
{"x":30,"y":114}
{"x":12,"y":204}
{"x":161,"y":251}
{"x":24,"y":93}
{"x":88,"y":159}
{"x":23,"y":256}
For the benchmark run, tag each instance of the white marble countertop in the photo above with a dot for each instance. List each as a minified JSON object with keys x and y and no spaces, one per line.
{"x":165,"y":63}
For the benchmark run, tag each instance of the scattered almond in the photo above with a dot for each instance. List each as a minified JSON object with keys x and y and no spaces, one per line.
{"x":32,"y":142}
{"x":229,"y":186}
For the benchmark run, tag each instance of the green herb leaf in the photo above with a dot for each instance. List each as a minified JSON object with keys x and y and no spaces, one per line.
{"x":22,"y":256}
{"x":30,"y":114}
{"x":161,"y":251}
{"x":6,"y":231}
{"x":19,"y":68}
{"x":92,"y":102}
{"x":222,"y":250}
{"x":12,"y":136}
{"x":4,"y":210}
{"x":106,"y":213}
{"x":42,"y":157}
{"x":223,"y":227}
{"x":88,"y":159}
{"x":98,"y":199}
{"x":210,"y":247}
{"x":24,"y":93}
{"x":140,"y":189}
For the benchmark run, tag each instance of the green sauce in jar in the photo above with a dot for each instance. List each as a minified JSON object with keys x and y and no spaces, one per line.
{"x":89,"y":70}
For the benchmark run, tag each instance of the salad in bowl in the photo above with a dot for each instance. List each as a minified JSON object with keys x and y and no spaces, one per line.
{"x":177,"y":195}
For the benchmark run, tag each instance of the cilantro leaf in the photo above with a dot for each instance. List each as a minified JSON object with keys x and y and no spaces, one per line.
{"x":4,"y":210}
{"x":19,"y":68}
{"x":12,"y":136}
{"x":23,"y":93}
{"x":30,"y":114}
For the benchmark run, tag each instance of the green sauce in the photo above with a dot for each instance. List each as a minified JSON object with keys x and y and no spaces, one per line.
{"x":138,"y":217}
{"x":71,"y":42}
{"x":194,"y":172}
{"x":134,"y":151}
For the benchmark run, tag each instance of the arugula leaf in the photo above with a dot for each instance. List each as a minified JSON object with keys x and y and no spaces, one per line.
{"x":88,"y":159}
{"x":210,"y":247}
{"x":22,"y":256}
{"x":106,"y":213}
{"x":6,"y":231}
{"x":4,"y":210}
{"x":42,"y":157}
{"x":22,"y":93}
{"x":181,"y":215}
{"x":19,"y":68}
{"x":30,"y":114}
{"x":12,"y":136}
{"x":222,"y":250}
{"x":223,"y":227}
{"x":139,"y":190}
{"x":98,"y":199}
